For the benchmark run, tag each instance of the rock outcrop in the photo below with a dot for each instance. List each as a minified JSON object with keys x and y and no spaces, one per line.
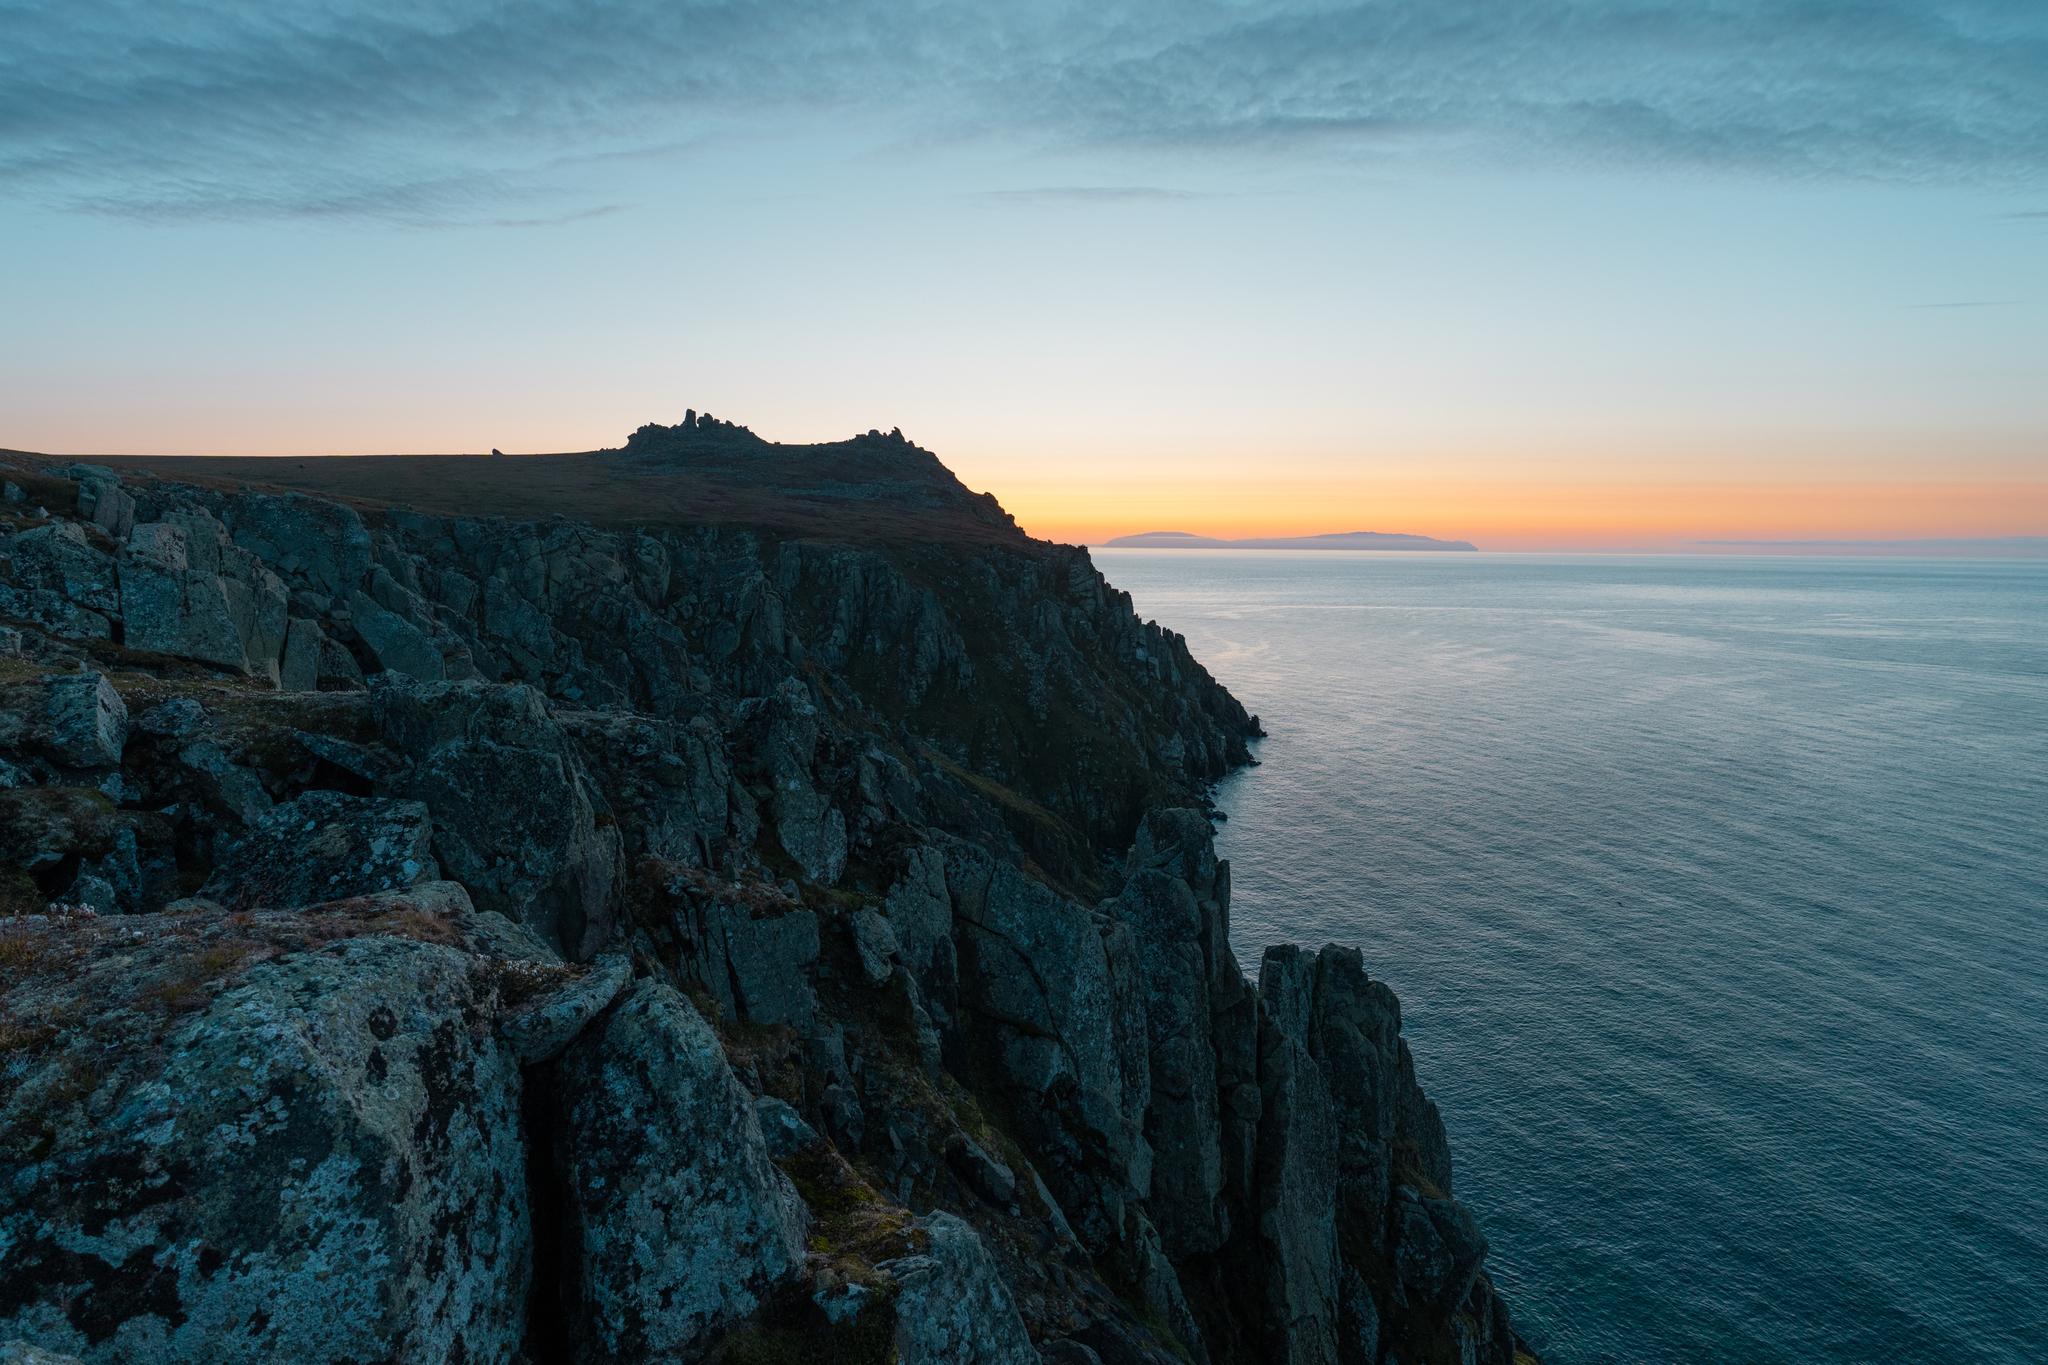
{"x":436,"y":938}
{"x":280,"y":1139}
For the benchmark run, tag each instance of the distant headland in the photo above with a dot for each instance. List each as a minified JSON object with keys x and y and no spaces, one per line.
{"x":1340,"y":540}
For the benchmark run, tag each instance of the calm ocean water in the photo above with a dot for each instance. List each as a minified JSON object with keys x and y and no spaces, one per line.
{"x":1716,"y":895}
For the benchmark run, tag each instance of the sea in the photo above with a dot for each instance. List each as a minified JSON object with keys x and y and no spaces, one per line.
{"x":1715,"y":890}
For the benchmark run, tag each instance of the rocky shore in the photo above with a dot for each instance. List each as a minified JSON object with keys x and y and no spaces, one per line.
{"x":438,"y":937}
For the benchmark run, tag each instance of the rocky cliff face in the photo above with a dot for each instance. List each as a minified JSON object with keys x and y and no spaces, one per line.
{"x":437,"y":938}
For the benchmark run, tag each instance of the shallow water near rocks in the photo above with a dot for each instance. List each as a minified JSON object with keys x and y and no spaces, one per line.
{"x":1716,"y":895}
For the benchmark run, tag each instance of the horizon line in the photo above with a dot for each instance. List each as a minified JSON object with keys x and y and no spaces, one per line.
{"x":1952,"y":543}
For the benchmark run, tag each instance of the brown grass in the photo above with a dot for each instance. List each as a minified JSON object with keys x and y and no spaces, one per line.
{"x":792,"y":490}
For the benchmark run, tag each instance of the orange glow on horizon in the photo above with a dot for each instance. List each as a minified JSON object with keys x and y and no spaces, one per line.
{"x":1535,"y":516}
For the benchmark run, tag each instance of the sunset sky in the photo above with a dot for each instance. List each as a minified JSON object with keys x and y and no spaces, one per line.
{"x":1541,"y":274}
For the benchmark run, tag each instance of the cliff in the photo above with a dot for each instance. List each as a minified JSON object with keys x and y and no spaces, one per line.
{"x":439,"y":936}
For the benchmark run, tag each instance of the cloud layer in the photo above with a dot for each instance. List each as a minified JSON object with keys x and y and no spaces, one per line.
{"x":426,"y":109}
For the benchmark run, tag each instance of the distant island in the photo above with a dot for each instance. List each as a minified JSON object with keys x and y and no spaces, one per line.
{"x":1338,"y":540}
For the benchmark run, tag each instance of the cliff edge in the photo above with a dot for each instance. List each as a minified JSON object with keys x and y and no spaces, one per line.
{"x":433,"y":935}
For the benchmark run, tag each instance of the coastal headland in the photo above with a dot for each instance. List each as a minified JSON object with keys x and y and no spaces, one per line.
{"x":705,"y":900}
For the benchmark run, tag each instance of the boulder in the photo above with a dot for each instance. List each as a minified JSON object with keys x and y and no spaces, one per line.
{"x":492,"y":935}
{"x":203,"y":536}
{"x":398,"y":645}
{"x":875,"y":944}
{"x":544,"y":1030}
{"x":810,"y":829}
{"x":682,"y":1223}
{"x":88,"y":721}
{"x":299,"y":669}
{"x":782,"y":1128}
{"x":952,"y":1307}
{"x":101,"y":497}
{"x":668,"y":781}
{"x":174,"y":718}
{"x":229,"y":788}
{"x":338,"y":667}
{"x":987,"y":1177}
{"x":258,"y":605}
{"x":160,"y":543}
{"x":60,"y":582}
{"x":321,"y":542}
{"x":324,"y":1163}
{"x":174,"y":600}
{"x":59,"y":559}
{"x":75,"y":719}
{"x":322,"y":847}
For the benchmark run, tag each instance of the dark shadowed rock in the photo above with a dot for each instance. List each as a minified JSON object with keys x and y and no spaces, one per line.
{"x":515,"y":819}
{"x":323,"y":541}
{"x":62,"y":583}
{"x":1422,"y":1260}
{"x":77,"y":720}
{"x":875,"y":945}
{"x":752,"y":961}
{"x":952,"y":1307}
{"x":782,"y":1128}
{"x":920,"y":910}
{"x":1035,"y":969}
{"x":322,"y":847}
{"x":124,"y":859}
{"x":1358,"y":1320}
{"x":1297,"y":1215}
{"x":987,"y":1177}
{"x":169,"y":606}
{"x":683,"y":1223}
{"x":396,"y":643}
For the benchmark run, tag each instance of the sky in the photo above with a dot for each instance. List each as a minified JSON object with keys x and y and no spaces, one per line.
{"x":1541,"y":274}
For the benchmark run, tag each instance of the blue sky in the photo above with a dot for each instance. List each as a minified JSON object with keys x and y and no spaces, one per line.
{"x":1086,"y":252}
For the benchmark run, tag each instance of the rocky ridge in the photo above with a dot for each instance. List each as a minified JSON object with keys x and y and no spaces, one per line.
{"x":436,"y":938}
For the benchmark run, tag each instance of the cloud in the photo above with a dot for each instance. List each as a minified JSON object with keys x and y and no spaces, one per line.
{"x":427,"y":109}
